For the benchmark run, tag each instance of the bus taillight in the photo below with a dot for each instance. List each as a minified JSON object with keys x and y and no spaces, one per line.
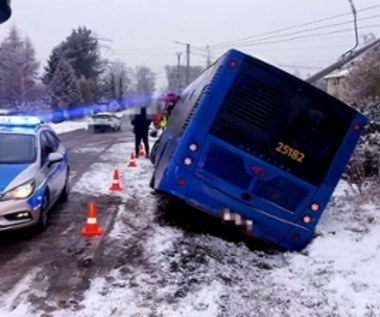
{"x":258,"y":171}
{"x":233,"y":64}
{"x":296,"y":236}
{"x":227,"y":215}
{"x":193,"y":147}
{"x":357,"y":127}
{"x":306,"y":219}
{"x":187,"y":161}
{"x":180,"y":181}
{"x":314,"y":207}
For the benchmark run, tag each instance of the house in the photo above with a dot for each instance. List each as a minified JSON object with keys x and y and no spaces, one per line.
{"x":336,"y":83}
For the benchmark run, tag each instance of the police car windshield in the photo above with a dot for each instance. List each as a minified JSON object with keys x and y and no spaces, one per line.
{"x":17,"y":148}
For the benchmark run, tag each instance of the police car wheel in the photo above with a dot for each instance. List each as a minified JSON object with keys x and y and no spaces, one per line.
{"x":42,"y":223}
{"x":65,"y":191}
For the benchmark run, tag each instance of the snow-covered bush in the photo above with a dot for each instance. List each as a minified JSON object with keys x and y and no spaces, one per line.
{"x":362,"y":171}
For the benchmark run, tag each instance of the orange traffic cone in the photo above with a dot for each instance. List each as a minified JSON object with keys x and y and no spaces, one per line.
{"x":141,"y":151}
{"x":91,"y":228}
{"x":132,"y":162}
{"x":116,"y":182}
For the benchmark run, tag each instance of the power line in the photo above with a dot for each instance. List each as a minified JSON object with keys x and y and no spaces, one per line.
{"x":300,"y":66}
{"x":324,"y":27}
{"x":303,"y":36}
{"x":290,"y":28}
{"x":264,"y":39}
{"x":141,"y":54}
{"x":197,"y":54}
{"x":142,"y":49}
{"x":303,"y":47}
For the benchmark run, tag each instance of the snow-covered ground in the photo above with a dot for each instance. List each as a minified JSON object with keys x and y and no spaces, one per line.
{"x":338,"y":274}
{"x":68,"y":126}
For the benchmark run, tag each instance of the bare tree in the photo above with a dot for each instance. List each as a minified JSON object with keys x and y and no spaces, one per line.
{"x":363,"y":81}
{"x":115,"y":83}
{"x":18,"y":69}
{"x":176,"y":76}
{"x":144,"y":84}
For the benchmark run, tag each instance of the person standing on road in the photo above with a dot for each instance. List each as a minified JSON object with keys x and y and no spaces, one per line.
{"x":141,"y":128}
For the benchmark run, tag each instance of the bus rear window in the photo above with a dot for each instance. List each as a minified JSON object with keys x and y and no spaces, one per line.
{"x":284,"y":123}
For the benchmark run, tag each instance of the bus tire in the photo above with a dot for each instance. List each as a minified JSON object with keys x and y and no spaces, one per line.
{"x":151,"y":182}
{"x":153,"y":152}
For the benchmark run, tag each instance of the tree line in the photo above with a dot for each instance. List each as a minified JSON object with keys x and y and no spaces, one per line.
{"x":75,"y":74}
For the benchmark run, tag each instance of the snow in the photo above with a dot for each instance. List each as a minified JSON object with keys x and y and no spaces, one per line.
{"x":338,"y":74}
{"x":338,"y":274}
{"x":68,"y":126}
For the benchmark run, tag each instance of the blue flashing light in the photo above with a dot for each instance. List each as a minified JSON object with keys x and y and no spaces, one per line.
{"x":19,"y":120}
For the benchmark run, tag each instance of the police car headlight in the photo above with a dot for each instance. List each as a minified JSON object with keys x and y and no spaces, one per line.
{"x":20,"y":192}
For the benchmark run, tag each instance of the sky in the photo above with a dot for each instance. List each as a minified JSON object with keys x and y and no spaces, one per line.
{"x":337,"y":274}
{"x":149,"y":32}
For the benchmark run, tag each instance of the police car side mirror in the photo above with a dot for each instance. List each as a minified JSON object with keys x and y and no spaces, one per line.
{"x":55,"y":158}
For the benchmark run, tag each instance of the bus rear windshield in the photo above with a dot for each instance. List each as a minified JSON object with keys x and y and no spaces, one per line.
{"x":284,"y":122}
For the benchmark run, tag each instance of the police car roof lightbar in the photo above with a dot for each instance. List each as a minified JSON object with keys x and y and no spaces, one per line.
{"x":20,"y":120}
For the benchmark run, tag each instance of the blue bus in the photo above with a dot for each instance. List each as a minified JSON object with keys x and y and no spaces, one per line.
{"x":254,"y":145}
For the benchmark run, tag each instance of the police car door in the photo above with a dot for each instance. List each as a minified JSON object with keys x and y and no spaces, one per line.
{"x":50,"y":171}
{"x":57,"y":147}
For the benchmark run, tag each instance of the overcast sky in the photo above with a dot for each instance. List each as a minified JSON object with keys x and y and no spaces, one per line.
{"x":144,"y":31}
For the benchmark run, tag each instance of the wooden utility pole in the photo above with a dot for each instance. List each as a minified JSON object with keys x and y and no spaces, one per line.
{"x":187,"y":64}
{"x":178,"y":70}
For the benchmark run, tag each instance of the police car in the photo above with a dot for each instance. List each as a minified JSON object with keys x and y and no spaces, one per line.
{"x":34,"y":172}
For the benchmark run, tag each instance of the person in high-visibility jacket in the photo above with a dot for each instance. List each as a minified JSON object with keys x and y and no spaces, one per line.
{"x":164,"y":121}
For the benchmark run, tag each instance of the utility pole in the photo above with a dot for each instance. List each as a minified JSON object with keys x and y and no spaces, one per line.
{"x":208,"y":60}
{"x":344,"y":60}
{"x":187,"y":64}
{"x":187,"y":60}
{"x":178,"y":82}
{"x":355,"y":29}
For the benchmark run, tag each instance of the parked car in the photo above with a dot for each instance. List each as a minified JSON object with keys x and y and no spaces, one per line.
{"x":34,"y":170}
{"x":103,"y":121}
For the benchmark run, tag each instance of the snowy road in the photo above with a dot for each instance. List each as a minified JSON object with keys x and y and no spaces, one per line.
{"x":177,"y":263}
{"x":58,"y":258}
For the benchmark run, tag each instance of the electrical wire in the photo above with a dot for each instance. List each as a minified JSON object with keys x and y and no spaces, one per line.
{"x":235,"y":42}
{"x":279,"y":36}
{"x":299,"y":66}
{"x":257,"y":43}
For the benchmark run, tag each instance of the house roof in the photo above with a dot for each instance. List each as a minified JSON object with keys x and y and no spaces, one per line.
{"x":338,"y":74}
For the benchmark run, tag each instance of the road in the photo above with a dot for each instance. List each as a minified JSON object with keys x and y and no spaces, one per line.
{"x":54,"y":270}
{"x":62,"y":255}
